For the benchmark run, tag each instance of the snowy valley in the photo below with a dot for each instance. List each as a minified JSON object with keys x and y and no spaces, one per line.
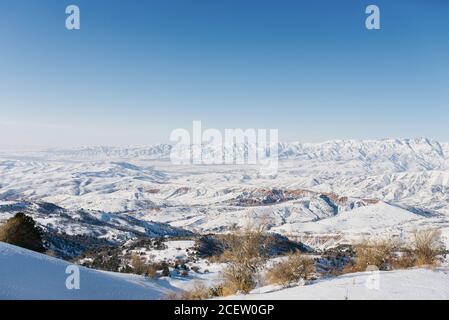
{"x":323,"y":196}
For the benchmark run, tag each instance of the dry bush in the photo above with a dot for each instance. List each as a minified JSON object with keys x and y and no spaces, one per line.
{"x":379,"y":253}
{"x":426,"y":246}
{"x":291,"y":270}
{"x":138,"y":265}
{"x":238,"y":278}
{"x":216,"y":291}
{"x":198,"y":292}
{"x":423,"y":250}
{"x":404,"y":259}
{"x":151,"y":271}
{"x":245,"y":257}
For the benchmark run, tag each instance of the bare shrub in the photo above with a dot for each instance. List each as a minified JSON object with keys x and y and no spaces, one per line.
{"x":423,"y":249}
{"x":197,"y":292}
{"x":238,"y":278}
{"x":216,"y":291}
{"x":404,"y":259}
{"x":151,"y":271}
{"x":245,"y":257}
{"x":379,"y":253}
{"x":291,"y":270}
{"x":138,"y":265}
{"x":426,"y":246}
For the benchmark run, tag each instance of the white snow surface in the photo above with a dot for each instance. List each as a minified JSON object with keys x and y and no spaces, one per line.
{"x":29,"y":275}
{"x":412,"y":284}
{"x":25,"y":274}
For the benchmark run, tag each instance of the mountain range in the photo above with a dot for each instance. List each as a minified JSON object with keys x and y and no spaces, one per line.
{"x":315,"y":182}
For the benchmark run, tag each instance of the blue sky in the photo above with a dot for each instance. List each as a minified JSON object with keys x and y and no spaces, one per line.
{"x":138,"y":69}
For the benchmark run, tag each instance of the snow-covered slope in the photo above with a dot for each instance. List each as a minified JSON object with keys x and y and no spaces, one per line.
{"x":378,"y":218}
{"x":108,"y":226}
{"x":421,"y":284}
{"x":70,"y":232}
{"x":28,"y":275}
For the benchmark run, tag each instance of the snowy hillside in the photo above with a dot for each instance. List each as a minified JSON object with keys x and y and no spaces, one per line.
{"x":28,"y":275}
{"x":378,"y":219}
{"x":108,"y":226}
{"x":69,"y":232}
{"x":421,"y":284}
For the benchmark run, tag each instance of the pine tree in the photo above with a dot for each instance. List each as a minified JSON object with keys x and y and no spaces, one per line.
{"x":21,"y":230}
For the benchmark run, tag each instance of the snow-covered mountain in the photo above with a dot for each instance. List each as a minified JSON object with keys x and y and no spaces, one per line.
{"x":315,"y":181}
{"x":395,"y":154}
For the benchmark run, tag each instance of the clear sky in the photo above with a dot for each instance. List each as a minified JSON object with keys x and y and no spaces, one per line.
{"x":139,"y":69}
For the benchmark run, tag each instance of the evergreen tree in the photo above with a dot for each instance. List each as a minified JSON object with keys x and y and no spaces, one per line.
{"x":21,"y":230}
